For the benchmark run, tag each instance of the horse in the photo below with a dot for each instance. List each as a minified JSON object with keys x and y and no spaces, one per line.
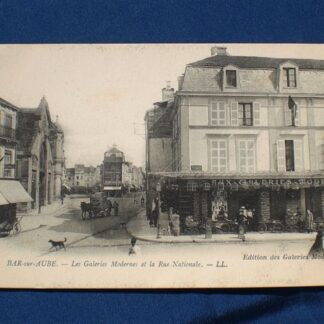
{"x":86,"y":208}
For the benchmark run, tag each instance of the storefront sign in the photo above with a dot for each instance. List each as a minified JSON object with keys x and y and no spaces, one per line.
{"x":257,"y":183}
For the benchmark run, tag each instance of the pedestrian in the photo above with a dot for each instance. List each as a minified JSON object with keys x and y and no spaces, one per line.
{"x":134,"y":249}
{"x":109,"y":207}
{"x":116,"y":206}
{"x":241,"y":223}
{"x":142,"y":201}
{"x":155,"y":213}
{"x":309,"y":221}
{"x":62,"y":198}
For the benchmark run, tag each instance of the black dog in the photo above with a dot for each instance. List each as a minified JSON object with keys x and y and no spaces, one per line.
{"x":58,"y":244}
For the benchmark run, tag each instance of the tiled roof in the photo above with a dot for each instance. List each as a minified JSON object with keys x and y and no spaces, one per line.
{"x":256,"y":62}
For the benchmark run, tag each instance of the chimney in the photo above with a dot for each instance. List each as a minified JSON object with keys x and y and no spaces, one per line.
{"x":167,"y":92}
{"x":180,"y":81}
{"x":216,"y":50}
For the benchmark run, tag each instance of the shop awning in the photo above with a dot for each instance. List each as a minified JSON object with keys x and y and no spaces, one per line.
{"x":112,"y":188}
{"x":3,"y":200}
{"x":14,"y":192}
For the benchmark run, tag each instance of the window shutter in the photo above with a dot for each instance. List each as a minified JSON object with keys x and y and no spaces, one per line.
{"x":256,"y":114}
{"x":234,"y":114}
{"x":288,"y":120}
{"x":281,"y":156}
{"x":297,"y":122}
{"x":213,"y":113}
{"x":221,"y":113}
{"x":298,"y":155}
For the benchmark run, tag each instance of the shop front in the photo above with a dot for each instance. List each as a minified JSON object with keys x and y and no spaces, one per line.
{"x":11,"y":193}
{"x":271,"y":202}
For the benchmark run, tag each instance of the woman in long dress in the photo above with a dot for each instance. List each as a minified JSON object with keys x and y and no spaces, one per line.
{"x":309,"y":221}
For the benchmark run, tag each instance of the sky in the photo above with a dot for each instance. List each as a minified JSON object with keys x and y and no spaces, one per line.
{"x":100,"y":93}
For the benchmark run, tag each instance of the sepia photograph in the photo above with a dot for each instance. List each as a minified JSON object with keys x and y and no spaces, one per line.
{"x":161,"y":165}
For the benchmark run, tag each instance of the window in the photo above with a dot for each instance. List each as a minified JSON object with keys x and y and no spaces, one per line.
{"x":218,"y":155}
{"x":8,"y":157}
{"x":191,"y":186}
{"x":231,"y":78}
{"x":8,"y":121}
{"x":289,"y":77}
{"x":246,"y":156}
{"x":245,"y":114}
{"x":290,"y":155}
{"x":218,"y":115}
{"x":289,"y":148}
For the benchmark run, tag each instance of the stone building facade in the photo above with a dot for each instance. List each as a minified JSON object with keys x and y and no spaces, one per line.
{"x":83,"y":176}
{"x":247,"y":131}
{"x":40,"y":155}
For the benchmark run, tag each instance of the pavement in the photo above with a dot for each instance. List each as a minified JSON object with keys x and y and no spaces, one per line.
{"x":32,"y":220}
{"x":139,"y":228}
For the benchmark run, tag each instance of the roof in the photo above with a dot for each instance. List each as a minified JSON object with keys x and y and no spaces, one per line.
{"x":7,"y":104}
{"x":256,"y":62}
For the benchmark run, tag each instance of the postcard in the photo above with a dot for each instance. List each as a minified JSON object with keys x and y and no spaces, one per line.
{"x":161,"y":165}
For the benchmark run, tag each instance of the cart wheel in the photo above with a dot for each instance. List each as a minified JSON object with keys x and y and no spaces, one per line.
{"x":225,"y":228}
{"x":277,"y":228}
{"x":262,"y":227}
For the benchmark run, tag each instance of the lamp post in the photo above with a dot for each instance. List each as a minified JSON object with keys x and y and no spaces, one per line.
{"x":158,"y":208}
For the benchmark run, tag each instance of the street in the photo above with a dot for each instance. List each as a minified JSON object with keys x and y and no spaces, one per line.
{"x":108,"y":236}
{"x":80,"y":234}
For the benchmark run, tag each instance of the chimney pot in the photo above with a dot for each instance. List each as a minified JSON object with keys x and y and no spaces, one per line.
{"x":217,"y":50}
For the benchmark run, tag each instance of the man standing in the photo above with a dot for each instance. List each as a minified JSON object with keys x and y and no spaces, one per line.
{"x":116,"y":206}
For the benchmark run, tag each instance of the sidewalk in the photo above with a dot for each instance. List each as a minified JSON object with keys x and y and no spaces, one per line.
{"x":33,"y":220}
{"x":139,"y":228}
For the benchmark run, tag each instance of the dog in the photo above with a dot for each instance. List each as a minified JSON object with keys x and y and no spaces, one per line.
{"x":58,"y":244}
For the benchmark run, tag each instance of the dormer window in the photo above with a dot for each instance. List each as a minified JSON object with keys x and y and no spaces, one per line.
{"x":289,"y":77}
{"x":231,"y":80}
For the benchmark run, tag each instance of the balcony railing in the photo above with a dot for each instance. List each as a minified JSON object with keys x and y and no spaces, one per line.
{"x":7,"y":132}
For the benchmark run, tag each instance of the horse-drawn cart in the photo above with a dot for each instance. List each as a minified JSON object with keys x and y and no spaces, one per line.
{"x":99,"y":206}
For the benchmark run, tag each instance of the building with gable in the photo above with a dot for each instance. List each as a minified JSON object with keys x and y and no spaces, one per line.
{"x":246,"y":131}
{"x":40,"y":158}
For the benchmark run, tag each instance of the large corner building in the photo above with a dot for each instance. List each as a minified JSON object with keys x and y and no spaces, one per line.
{"x":241,"y":131}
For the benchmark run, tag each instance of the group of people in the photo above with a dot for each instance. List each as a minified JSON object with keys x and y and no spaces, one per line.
{"x":306,"y":223}
{"x":109,"y":206}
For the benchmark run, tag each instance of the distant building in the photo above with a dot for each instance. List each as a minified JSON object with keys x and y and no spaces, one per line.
{"x":119,"y":175}
{"x":40,"y":154}
{"x":82,"y":176}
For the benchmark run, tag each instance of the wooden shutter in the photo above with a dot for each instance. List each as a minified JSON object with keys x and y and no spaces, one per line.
{"x":297,"y":119}
{"x":221,"y":113}
{"x":234,"y":114}
{"x":281,"y":156}
{"x":288,"y":120}
{"x":256,"y":114}
{"x":213,"y":114}
{"x":298,"y":155}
